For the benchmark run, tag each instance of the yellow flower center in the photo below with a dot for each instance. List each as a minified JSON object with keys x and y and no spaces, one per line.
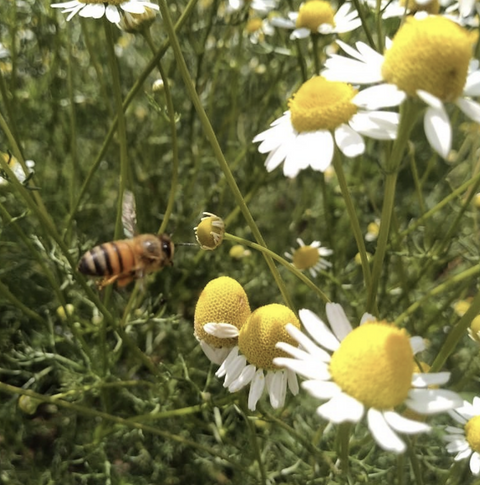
{"x":321,"y":105}
{"x":314,"y":13}
{"x":210,"y":231}
{"x":264,"y":328}
{"x":223,"y":300}
{"x":472,"y":433}
{"x":374,"y":364}
{"x":433,"y":7}
{"x":475,"y":325}
{"x":253,"y":24}
{"x":305,"y":257}
{"x":431,"y":54}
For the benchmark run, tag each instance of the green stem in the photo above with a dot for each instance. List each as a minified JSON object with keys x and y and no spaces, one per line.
{"x":409,"y":110}
{"x":210,"y":134}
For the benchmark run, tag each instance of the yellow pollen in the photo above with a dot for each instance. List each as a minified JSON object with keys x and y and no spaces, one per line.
{"x":374,"y":364}
{"x":314,"y":13}
{"x":264,"y":328}
{"x":321,"y":105}
{"x":223,"y":300}
{"x":431,"y":54}
{"x":305,"y":257}
{"x":432,"y":7}
{"x":472,"y":433}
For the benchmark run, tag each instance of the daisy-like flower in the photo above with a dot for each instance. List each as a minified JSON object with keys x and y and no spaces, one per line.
{"x":257,"y":28}
{"x":112,"y":9}
{"x":302,"y":137}
{"x":465,"y":441}
{"x":318,"y":17}
{"x":16,"y":168}
{"x":251,"y":361}
{"x":428,"y":59}
{"x":222,"y":302}
{"x":136,"y":22}
{"x":310,"y":257}
{"x":368,"y":369}
{"x":372,"y":230}
{"x":399,"y":8}
{"x":209,"y":233}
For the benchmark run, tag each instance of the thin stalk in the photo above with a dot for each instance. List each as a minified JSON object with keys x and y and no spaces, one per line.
{"x":210,"y":134}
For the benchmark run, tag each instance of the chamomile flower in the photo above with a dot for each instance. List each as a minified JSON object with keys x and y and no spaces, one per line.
{"x":257,"y":28}
{"x":399,"y":8}
{"x":209,"y":233}
{"x":310,"y":257}
{"x":321,"y":115}
{"x":428,"y":59}
{"x":112,"y":9}
{"x":373,"y":230}
{"x":251,"y":361}
{"x":369,"y":369}
{"x":318,"y":17}
{"x":465,"y":440}
{"x":222,"y":302}
{"x":16,"y":168}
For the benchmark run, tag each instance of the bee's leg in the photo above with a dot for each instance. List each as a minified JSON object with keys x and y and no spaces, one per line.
{"x":106,"y":281}
{"x":123,"y":280}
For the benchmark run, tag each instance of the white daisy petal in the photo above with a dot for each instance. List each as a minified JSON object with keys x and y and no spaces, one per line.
{"x":431,"y":401}
{"x":304,"y":368}
{"x":276,"y":157}
{"x":112,"y":14}
{"x":282,"y":23}
{"x":221,"y":330}
{"x":227,"y":362}
{"x":217,"y":356}
{"x":472,"y":86}
{"x":133,"y":6}
{"x":340,"y":408}
{"x":438,"y":130}
{"x":301,"y":33}
{"x":338,"y":321}
{"x":382,"y":433}
{"x":277,"y":388}
{"x":381,"y":96}
{"x":321,"y":390}
{"x":464,"y":454}
{"x":475,"y":463}
{"x":424,"y":380}
{"x":349,"y":141}
{"x":243,"y":379}
{"x":318,"y":330}
{"x":233,"y":370}
{"x":470,"y":108}
{"x":309,"y":346}
{"x":418,"y":344}
{"x":404,"y":425}
{"x":300,"y":354}
{"x":453,"y":430}
{"x":92,"y":10}
{"x":256,"y":389}
{"x":381,"y":125}
{"x":292,"y":381}
{"x":461,"y":447}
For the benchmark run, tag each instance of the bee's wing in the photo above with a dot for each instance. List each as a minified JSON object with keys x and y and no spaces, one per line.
{"x":129,"y":214}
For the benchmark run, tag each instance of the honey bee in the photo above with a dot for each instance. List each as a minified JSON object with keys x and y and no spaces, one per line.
{"x":128,"y":259}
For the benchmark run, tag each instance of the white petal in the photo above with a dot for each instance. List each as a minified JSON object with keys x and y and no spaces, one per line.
{"x":338,"y":321}
{"x":321,"y":390}
{"x":462,"y":455}
{"x":92,"y":10}
{"x":454,"y":431}
{"x":318,"y":330}
{"x":431,"y":401}
{"x":349,"y":141}
{"x":276,"y":157}
{"x":475,"y":463}
{"x":70,"y":4}
{"x":256,"y":389}
{"x":133,"y":7}
{"x":438,"y":130}
{"x":277,"y":388}
{"x":470,"y":108}
{"x":221,"y":330}
{"x":461,"y":447}
{"x":340,"y":408}
{"x":311,"y":352}
{"x":430,"y":99}
{"x":425,"y":379}
{"x":306,"y":369}
{"x":282,"y":23}
{"x":292,"y":382}
{"x":112,"y":14}
{"x":301,"y":33}
{"x":243,"y":379}
{"x":472,"y":86}
{"x":217,"y":356}
{"x":383,"y":434}
{"x":381,"y":96}
{"x":404,"y":425}
{"x":418,"y":344}
{"x":234,"y":369}
{"x":381,"y":125}
{"x":227,"y":362}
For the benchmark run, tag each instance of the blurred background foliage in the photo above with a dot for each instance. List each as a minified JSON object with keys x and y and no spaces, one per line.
{"x":56,"y":98}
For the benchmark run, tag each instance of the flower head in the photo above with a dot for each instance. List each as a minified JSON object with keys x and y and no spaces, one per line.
{"x":367,"y":369}
{"x":112,"y":9}
{"x":465,"y":441}
{"x":318,"y":17}
{"x":429,"y":59}
{"x":372,"y":230}
{"x":16,"y":168}
{"x":136,"y":22}
{"x":251,"y":362}
{"x":222,"y":301}
{"x":302,"y":137}
{"x":310,"y":257}
{"x":210,"y":231}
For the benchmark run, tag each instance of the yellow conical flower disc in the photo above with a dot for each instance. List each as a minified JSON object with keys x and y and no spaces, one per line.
{"x":431,"y":54}
{"x":305,"y":257}
{"x":223,"y":300}
{"x":321,"y":105}
{"x":264,"y":328}
{"x":374,"y":364}
{"x":472,"y":433}
{"x":313,"y":14}
{"x":209,"y":232}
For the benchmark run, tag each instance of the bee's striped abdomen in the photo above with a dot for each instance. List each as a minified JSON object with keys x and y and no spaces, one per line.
{"x":113,"y":258}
